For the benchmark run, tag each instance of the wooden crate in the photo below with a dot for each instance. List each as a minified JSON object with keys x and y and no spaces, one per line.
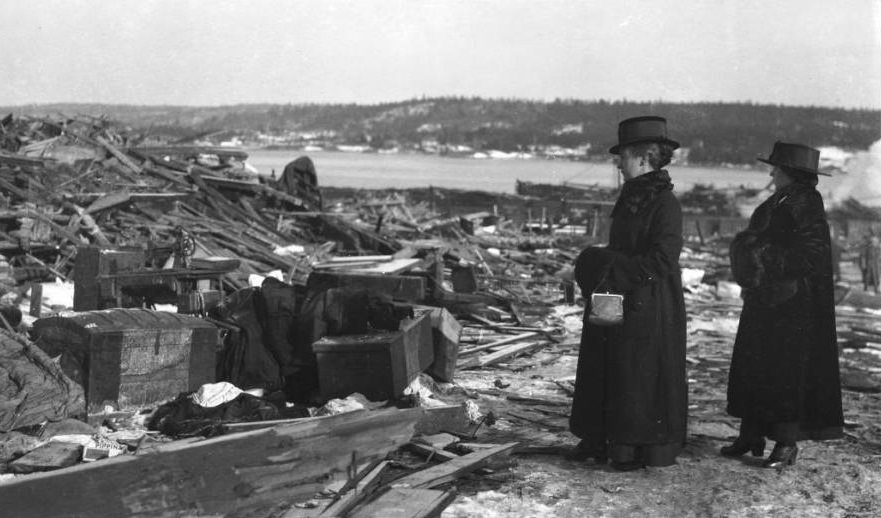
{"x":129,"y":358}
{"x":377,"y":365}
{"x":445,"y":331}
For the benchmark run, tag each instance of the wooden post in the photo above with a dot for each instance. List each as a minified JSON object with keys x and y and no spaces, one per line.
{"x":36,"y":309}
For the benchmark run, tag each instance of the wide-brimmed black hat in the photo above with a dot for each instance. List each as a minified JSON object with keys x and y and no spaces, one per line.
{"x":648,"y":128}
{"x":795,"y":156}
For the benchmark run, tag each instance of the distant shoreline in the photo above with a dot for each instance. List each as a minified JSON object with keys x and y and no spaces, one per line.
{"x":458,"y":156}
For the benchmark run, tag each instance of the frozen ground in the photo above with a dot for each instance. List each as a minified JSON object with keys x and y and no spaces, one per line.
{"x":840,"y":478}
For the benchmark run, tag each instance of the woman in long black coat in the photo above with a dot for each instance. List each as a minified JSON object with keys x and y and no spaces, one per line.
{"x":784,"y":382}
{"x":630,"y":402}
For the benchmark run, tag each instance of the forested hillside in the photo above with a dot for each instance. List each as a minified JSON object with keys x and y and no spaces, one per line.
{"x":713,"y":132}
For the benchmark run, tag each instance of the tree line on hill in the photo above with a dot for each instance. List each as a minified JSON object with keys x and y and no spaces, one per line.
{"x":713,"y":133}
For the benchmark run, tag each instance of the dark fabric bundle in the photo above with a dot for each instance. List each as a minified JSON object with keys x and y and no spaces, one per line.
{"x":184,"y":418}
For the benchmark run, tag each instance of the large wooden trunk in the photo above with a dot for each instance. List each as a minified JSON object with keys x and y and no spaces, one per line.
{"x":130,"y":358}
{"x":377,"y":365}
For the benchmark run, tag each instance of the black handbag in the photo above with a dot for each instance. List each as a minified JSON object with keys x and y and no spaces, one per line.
{"x":606,"y":308}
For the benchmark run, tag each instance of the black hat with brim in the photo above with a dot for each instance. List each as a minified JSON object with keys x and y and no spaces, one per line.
{"x":795,"y":156}
{"x":636,"y":130}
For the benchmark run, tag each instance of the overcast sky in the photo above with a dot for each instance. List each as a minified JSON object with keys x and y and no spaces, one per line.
{"x":795,"y":52}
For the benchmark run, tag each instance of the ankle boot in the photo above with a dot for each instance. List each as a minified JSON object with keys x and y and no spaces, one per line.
{"x":741,"y":446}
{"x":585,"y":450}
{"x":782,"y":455}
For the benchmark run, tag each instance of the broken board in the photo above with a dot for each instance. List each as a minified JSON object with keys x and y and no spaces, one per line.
{"x":244,"y":474}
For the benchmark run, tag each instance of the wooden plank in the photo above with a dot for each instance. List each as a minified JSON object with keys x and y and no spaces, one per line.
{"x":392,"y":267}
{"x":342,"y":266}
{"x":520,"y":398}
{"x":244,"y":473}
{"x":23,"y":160}
{"x":453,"y":469}
{"x":445,"y":418}
{"x":108,"y":200}
{"x":361,"y":258}
{"x":308,"y":214}
{"x":502,"y":354}
{"x":497,"y":343}
{"x":365,"y":487}
{"x":433,"y":452}
{"x":406,"y":503}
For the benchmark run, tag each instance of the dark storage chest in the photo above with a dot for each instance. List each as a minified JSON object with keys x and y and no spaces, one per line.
{"x":377,"y":365}
{"x":130,"y":358}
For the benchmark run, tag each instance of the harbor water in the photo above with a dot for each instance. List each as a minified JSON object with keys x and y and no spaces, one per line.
{"x":377,"y":171}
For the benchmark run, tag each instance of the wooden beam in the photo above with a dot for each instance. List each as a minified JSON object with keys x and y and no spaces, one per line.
{"x":122,"y":157}
{"x":452,"y":469}
{"x":244,"y":473}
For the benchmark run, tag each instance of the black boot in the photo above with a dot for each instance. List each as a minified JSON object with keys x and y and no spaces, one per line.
{"x":740,"y":446}
{"x":782,"y":455}
{"x":585,"y":450}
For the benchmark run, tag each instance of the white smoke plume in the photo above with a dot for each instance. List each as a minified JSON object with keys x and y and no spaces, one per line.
{"x":862,"y":178}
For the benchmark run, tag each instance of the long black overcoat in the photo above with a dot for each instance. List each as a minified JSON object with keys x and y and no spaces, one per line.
{"x":630,"y":384}
{"x":784,"y":367}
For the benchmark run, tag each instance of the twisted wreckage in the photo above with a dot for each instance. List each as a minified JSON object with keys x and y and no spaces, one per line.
{"x":183,"y":380}
{"x":255,"y":364}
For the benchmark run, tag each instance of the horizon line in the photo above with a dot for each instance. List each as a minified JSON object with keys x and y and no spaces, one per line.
{"x":434,"y":98}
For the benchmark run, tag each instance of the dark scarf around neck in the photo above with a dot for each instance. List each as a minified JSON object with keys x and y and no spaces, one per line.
{"x":640,"y":191}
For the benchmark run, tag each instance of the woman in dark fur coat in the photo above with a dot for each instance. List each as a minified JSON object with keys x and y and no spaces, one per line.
{"x":630,"y":403}
{"x":784,"y":382}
